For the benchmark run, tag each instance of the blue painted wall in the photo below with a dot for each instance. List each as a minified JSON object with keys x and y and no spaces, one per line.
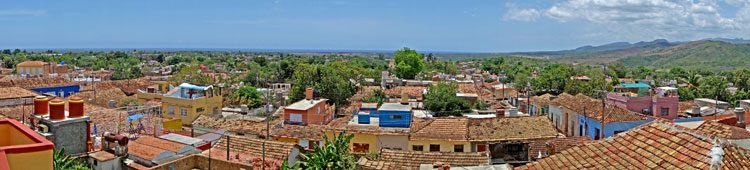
{"x":609,"y":129}
{"x":66,"y":90}
{"x":692,"y":119}
{"x":387,"y":121}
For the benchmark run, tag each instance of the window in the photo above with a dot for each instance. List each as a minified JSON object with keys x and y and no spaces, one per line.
{"x":361,"y":147}
{"x":596,"y":133}
{"x":200,"y":109}
{"x":170,"y":110}
{"x":295,"y":117}
{"x":458,"y":148}
{"x":434,"y":148}
{"x":417,"y":148}
{"x":664,"y":111}
{"x":482,"y":148}
{"x":395,"y":117}
{"x":183,"y":112}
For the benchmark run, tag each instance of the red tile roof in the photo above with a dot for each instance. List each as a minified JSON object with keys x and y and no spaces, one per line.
{"x":254,"y":147}
{"x":16,"y":92}
{"x":713,"y":128}
{"x":511,"y":128}
{"x":594,"y":109}
{"x":397,"y":159}
{"x":31,"y":64}
{"x":450,"y":129}
{"x":655,"y":145}
{"x":559,"y":145}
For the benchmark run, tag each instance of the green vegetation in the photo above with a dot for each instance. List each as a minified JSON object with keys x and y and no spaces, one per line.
{"x":65,"y":162}
{"x":408,"y":63}
{"x":190,"y":74}
{"x":442,"y":100}
{"x":249,"y":96}
{"x":333,"y":155}
{"x":376,"y":96}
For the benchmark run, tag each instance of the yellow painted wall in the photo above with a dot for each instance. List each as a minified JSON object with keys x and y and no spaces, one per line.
{"x":11,"y":136}
{"x":370,"y":139}
{"x":175,"y":124}
{"x":190,"y":105}
{"x":144,"y":97}
{"x":287,"y":140}
{"x":445,"y":146}
{"x":35,"y":69}
{"x":41,"y":160}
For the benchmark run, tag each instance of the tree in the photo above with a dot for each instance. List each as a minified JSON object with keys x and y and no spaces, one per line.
{"x":333,"y":155}
{"x":376,"y":96}
{"x":60,"y":161}
{"x":685,"y":94}
{"x":714,"y":86}
{"x":191,"y":74}
{"x":553,"y":78}
{"x":249,"y":96}
{"x":408,"y":63}
{"x":305,"y":76}
{"x":480,"y":105}
{"x":442,"y":100}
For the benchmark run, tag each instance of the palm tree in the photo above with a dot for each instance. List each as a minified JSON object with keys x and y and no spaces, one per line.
{"x":333,"y":155}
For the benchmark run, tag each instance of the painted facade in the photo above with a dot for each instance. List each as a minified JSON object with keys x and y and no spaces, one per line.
{"x":445,"y":145}
{"x":21,"y":148}
{"x":186,"y":102}
{"x":658,"y":106}
{"x":394,"y":115}
{"x":319,"y":112}
{"x":61,"y":91}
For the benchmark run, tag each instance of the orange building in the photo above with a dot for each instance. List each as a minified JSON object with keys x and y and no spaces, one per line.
{"x":21,"y":148}
{"x":311,"y":110}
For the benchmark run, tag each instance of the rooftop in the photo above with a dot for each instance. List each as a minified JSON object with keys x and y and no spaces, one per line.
{"x":593,"y":109}
{"x":304,"y":104}
{"x":234,"y":125}
{"x":655,"y":145}
{"x":16,"y":92}
{"x":397,"y":159}
{"x":249,"y":147}
{"x":511,"y":128}
{"x":346,"y":123}
{"x":635,"y":85}
{"x":394,"y":107}
{"x":713,"y":128}
{"x":542,"y":100}
{"x":451,"y":129}
{"x":31,"y":64}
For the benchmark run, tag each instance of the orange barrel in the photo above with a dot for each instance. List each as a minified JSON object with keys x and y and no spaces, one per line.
{"x":57,"y":109}
{"x":41,"y":105}
{"x":75,"y":107}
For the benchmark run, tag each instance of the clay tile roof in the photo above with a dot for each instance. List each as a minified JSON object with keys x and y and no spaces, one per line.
{"x":713,"y":128}
{"x":655,"y":145}
{"x":31,"y":64}
{"x":367,"y":164}
{"x":144,"y":151}
{"x":451,"y":129}
{"x":542,"y":100}
{"x":594,"y":109}
{"x":412,"y":159}
{"x":253,"y":147}
{"x":41,"y":82}
{"x":415,"y":91}
{"x":511,"y":128}
{"x":103,"y":96}
{"x":130,"y":87}
{"x":234,"y":125}
{"x":559,"y":144}
{"x":16,"y":92}
{"x":309,"y":132}
{"x":160,"y":143}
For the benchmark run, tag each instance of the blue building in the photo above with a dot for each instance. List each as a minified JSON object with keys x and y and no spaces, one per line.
{"x":61,"y":91}
{"x":394,"y":115}
{"x":593,"y":127}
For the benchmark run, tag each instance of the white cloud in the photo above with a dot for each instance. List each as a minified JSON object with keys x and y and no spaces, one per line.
{"x":8,"y":12}
{"x":517,"y":14}
{"x":645,"y":19}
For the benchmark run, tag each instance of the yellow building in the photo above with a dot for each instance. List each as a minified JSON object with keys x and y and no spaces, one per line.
{"x":33,"y":68}
{"x":369,"y":137}
{"x":21,"y":148}
{"x":441,"y":135}
{"x":186,"y":101}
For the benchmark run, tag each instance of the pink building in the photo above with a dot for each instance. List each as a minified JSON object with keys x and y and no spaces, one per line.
{"x":662,"y":102}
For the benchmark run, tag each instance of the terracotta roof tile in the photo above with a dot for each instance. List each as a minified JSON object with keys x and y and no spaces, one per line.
{"x":253,"y":147}
{"x":511,"y":128}
{"x":30,"y":83}
{"x":413,"y":91}
{"x":713,"y":128}
{"x":16,"y":92}
{"x":451,"y":129}
{"x":31,"y":64}
{"x":234,"y":125}
{"x":160,"y":143}
{"x":309,"y":132}
{"x":655,"y":145}
{"x":542,"y":100}
{"x":594,"y":109}
{"x":559,"y":144}
{"x":397,"y":159}
{"x":144,"y":151}
{"x":130,"y":87}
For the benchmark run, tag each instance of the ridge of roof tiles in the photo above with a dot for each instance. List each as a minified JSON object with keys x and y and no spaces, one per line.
{"x":398,"y":159}
{"x":593,"y":109}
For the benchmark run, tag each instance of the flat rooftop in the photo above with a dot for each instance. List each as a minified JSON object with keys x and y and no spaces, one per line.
{"x":304,"y":104}
{"x":395,"y":106}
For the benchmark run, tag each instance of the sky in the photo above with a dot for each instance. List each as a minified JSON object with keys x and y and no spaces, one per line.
{"x":424,"y":25}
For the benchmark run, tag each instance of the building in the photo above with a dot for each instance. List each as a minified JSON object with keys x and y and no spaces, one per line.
{"x":508,"y":139}
{"x":311,"y":110}
{"x":581,"y":115}
{"x":306,"y":136}
{"x":441,"y":135}
{"x":503,"y":91}
{"x":369,"y":135}
{"x":21,"y":148}
{"x":65,"y":128}
{"x":238,"y":127}
{"x":14,"y":96}
{"x":34,"y":69}
{"x":186,"y":101}
{"x":399,"y":159}
{"x":539,"y":149}
{"x":242,"y":149}
{"x":656,"y":145}
{"x":52,"y":86}
{"x":704,"y":102}
{"x":197,"y":161}
{"x":663,"y":102}
{"x":736,"y":135}
{"x":540,"y":106}
{"x":394,"y":115}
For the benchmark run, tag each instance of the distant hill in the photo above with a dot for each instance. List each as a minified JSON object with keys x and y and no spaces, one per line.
{"x":711,"y":55}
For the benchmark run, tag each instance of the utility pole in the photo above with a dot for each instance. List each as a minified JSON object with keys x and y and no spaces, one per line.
{"x":268,"y":126}
{"x":604,"y":103}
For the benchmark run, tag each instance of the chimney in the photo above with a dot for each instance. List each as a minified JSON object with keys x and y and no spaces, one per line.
{"x":740,"y":114}
{"x":75,"y":107}
{"x":404,"y":98}
{"x":500,"y":113}
{"x":308,"y":94}
{"x":41,"y":105}
{"x":57,"y":109}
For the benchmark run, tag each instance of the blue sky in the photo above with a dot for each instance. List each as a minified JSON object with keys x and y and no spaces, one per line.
{"x":428,"y":25}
